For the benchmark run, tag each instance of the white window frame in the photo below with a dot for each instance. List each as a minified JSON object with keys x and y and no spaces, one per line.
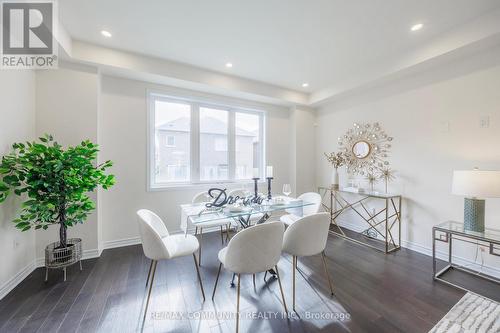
{"x":196,"y":104}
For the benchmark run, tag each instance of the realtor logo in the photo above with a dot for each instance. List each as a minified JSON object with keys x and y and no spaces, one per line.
{"x":28,"y":35}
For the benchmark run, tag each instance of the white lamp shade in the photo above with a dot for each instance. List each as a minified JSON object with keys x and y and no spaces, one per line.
{"x":476,"y":183}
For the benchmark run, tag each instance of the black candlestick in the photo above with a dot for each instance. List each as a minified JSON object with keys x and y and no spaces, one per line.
{"x":255,"y":188}
{"x":269,"y":196}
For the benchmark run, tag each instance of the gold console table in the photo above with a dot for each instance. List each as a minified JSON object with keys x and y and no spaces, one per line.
{"x":384,"y":223}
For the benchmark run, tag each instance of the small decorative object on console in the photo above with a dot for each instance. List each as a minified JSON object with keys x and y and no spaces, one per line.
{"x":372,"y":179}
{"x":387,"y":174}
{"x":336,"y":160}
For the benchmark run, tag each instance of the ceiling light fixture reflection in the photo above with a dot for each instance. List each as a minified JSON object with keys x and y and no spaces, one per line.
{"x":229,"y":65}
{"x":305,"y":85}
{"x":106,"y":34}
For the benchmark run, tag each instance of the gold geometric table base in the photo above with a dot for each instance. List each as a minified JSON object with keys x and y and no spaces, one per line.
{"x":388,"y":217}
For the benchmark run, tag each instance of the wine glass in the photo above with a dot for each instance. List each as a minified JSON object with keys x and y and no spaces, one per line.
{"x":287,"y":190}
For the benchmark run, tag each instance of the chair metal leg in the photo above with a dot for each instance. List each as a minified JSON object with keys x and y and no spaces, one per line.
{"x":64,"y":269}
{"x":199,"y":248}
{"x":265,"y":275}
{"x":253,"y":278}
{"x":294,"y":268}
{"x":228,"y":229}
{"x":216,"y":281}
{"x":281,"y":289}
{"x":238,"y":306}
{"x":155,"y":263}
{"x":199,"y":277}
{"x":326,"y":271}
{"x":221,"y":235}
{"x":149,"y":272}
{"x":46,"y":274}
{"x":80,"y":265}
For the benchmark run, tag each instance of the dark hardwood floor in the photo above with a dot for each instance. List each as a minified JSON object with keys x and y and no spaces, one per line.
{"x":373,"y":293}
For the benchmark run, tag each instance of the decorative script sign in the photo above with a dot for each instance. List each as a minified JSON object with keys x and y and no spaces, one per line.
{"x":221,"y":198}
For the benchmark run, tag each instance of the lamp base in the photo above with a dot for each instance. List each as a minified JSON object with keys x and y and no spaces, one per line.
{"x":474,"y":215}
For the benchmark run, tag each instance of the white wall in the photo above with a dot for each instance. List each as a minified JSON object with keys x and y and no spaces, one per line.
{"x":123,"y":135}
{"x":17,"y":124}
{"x":66,"y":107}
{"x":302,"y":150}
{"x":425,"y":152}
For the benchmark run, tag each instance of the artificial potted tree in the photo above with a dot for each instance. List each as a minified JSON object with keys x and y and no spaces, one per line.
{"x":55,"y":183}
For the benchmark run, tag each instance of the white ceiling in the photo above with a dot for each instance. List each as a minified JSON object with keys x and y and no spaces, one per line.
{"x":280,"y":42}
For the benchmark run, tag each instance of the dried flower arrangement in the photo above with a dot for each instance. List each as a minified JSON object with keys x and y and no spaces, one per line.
{"x":336,"y":159}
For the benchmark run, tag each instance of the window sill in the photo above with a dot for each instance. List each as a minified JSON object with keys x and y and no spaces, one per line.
{"x":203,"y":186}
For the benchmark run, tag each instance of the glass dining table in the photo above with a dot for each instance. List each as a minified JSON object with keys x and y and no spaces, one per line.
{"x":199,"y":214}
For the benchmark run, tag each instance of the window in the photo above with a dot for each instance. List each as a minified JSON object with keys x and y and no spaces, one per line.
{"x":195,"y":142}
{"x":171,"y":120}
{"x":248,"y":144}
{"x":213,"y":144}
{"x":220,"y":144}
{"x":170,"y":141}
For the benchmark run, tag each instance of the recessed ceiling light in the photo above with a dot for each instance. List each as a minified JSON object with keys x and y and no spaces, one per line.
{"x":305,"y":85}
{"x":417,"y":26}
{"x":106,"y":33}
{"x":229,"y":65}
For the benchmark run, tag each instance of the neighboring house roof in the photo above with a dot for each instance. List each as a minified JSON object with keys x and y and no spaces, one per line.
{"x":209,"y":126}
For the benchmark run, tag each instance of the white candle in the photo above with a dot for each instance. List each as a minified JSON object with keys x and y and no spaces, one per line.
{"x":269,"y":171}
{"x":255,"y":172}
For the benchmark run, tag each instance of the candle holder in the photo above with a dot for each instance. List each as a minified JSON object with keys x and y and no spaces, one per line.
{"x":255,"y":188}
{"x":269,"y":196}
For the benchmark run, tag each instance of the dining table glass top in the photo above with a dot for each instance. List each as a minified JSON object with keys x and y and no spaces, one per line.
{"x":199,"y":213}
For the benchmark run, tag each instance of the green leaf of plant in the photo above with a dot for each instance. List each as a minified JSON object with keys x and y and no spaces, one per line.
{"x":3,"y":187}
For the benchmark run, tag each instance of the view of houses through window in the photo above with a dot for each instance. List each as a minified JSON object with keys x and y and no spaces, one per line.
{"x":194,"y":143}
{"x":214,"y":157}
{"x":172,"y":125}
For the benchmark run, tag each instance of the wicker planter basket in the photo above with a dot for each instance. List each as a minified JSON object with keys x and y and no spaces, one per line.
{"x":56,"y":257}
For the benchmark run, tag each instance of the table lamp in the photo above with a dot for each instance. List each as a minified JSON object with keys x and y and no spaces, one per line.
{"x":475,"y":185}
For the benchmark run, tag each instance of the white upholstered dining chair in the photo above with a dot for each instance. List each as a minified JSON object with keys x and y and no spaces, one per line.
{"x":294,"y":213}
{"x":158,"y":244}
{"x":201,"y":198}
{"x":307,"y":237}
{"x":253,"y":250}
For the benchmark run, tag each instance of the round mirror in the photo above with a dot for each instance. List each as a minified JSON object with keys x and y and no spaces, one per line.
{"x":361,"y":149}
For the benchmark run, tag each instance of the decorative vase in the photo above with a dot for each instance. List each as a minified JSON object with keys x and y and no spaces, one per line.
{"x":474,"y":215}
{"x":335,"y":179}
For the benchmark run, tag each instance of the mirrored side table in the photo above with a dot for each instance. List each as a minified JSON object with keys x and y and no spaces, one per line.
{"x":452,"y":232}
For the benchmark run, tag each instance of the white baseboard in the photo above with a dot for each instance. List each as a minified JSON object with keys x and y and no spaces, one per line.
{"x":137,"y":240}
{"x":486,"y":269}
{"x":16,"y":279}
{"x":121,"y":242}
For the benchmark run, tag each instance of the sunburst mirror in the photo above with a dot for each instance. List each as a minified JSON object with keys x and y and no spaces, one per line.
{"x":366,"y":148}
